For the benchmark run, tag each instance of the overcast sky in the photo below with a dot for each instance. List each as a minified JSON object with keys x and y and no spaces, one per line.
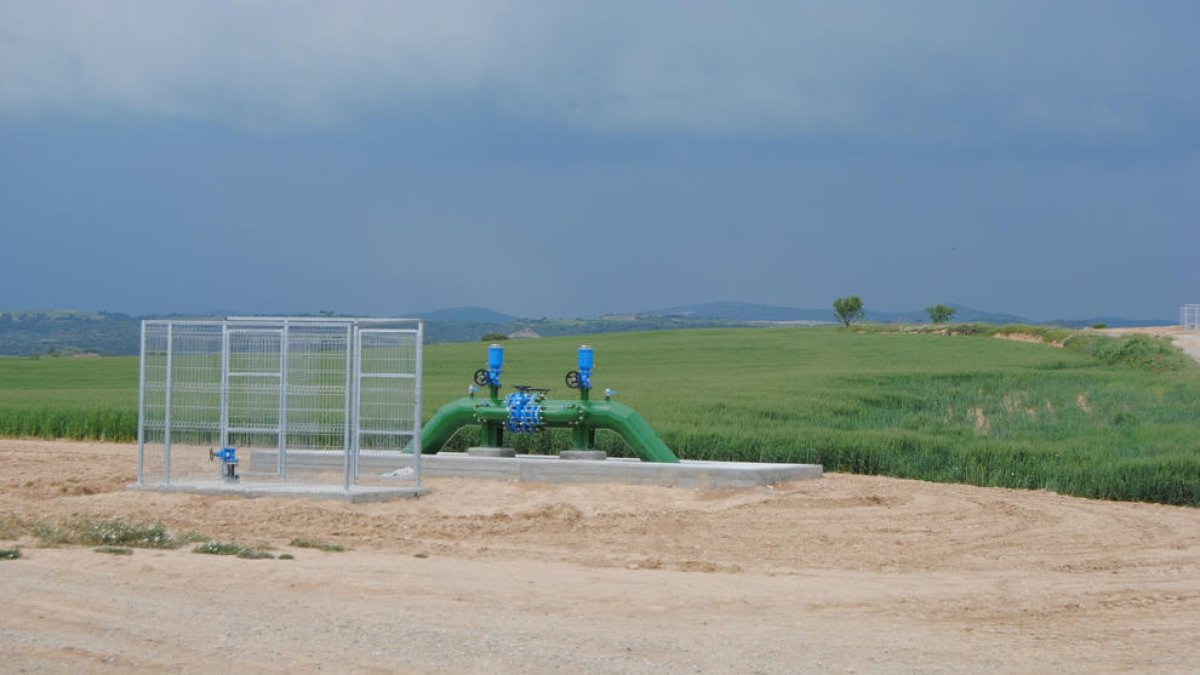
{"x":572,"y":159}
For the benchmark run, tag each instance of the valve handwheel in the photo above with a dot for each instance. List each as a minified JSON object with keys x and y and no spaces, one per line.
{"x":481,"y":377}
{"x":573,"y":379}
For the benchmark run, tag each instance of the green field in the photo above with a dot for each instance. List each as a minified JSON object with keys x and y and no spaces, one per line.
{"x":1116,"y":419}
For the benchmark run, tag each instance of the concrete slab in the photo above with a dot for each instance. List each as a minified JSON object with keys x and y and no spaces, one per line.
{"x":550,"y":469}
{"x":491,"y":452}
{"x":583,"y":454}
{"x":357,"y":494}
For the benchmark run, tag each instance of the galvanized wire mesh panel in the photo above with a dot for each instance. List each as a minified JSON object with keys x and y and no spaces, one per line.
{"x":388,"y":396}
{"x":1189,"y":318}
{"x":297,"y":399}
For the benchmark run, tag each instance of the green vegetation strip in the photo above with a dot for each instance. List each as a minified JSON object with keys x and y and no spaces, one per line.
{"x":232,"y":548}
{"x":319,"y":545}
{"x":1113,"y":418}
{"x":88,"y":531}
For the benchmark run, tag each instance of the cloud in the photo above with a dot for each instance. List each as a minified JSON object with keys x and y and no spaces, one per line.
{"x":941,"y":72}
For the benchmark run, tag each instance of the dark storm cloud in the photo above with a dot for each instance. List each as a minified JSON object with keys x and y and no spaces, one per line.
{"x":944,"y":72}
{"x":666,"y":152}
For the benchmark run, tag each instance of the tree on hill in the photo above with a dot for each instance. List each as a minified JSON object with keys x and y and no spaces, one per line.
{"x":849,"y":309}
{"x":940,"y":313}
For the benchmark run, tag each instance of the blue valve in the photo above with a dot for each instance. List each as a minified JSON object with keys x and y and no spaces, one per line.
{"x":524,"y":412}
{"x":229,"y":462}
{"x":490,"y":376}
{"x":587,"y":361}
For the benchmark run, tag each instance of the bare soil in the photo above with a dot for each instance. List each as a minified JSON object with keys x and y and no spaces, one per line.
{"x":841,"y":574}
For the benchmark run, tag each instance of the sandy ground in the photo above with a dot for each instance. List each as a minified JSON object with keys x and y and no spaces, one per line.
{"x":841,"y":574}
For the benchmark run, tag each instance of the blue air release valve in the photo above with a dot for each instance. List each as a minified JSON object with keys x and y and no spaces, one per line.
{"x":229,"y":462}
{"x":524,"y":410}
{"x":490,"y":376}
{"x":582,"y":378}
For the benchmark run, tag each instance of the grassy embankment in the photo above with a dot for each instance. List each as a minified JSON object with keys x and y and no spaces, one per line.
{"x":1103,"y":418}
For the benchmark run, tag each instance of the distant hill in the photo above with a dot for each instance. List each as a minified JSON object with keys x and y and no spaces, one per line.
{"x":68,"y":332}
{"x":744,"y":311}
{"x":749,"y":311}
{"x":1111,"y":322}
{"x":962,"y":314}
{"x":466,"y":314}
{"x":752,"y":312}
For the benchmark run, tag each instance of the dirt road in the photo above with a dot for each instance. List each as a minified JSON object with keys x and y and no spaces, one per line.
{"x":846,"y":573}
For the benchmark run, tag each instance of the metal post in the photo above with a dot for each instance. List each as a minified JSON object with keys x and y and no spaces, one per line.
{"x":416,"y":456}
{"x":283,"y":395}
{"x":356,"y":437}
{"x":167,"y":406}
{"x":224,"y":384}
{"x":141,"y":431}
{"x":348,"y":420}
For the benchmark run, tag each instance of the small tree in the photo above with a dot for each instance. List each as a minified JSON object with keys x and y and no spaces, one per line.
{"x":493,"y":337}
{"x":848,"y":310}
{"x":940,"y":313}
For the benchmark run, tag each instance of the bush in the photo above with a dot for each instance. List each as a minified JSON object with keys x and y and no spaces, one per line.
{"x":1136,"y":351}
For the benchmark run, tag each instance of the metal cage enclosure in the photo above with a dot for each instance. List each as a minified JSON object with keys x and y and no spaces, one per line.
{"x":296,"y":400}
{"x":1189,"y":318}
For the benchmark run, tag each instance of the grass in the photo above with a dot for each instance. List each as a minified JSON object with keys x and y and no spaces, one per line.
{"x":11,"y":527}
{"x":319,"y":545}
{"x":1099,"y":417}
{"x":1107,"y":418}
{"x":77,"y":398}
{"x":89,"y":531}
{"x":10,"y":553}
{"x":232,"y":548}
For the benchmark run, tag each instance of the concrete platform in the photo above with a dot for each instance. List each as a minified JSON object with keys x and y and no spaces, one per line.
{"x":357,"y":494}
{"x":551,"y":469}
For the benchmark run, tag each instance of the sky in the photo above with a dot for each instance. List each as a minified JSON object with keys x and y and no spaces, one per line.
{"x":572,"y":159}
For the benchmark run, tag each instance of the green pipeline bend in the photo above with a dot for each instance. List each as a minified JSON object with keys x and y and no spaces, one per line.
{"x":609,"y":415}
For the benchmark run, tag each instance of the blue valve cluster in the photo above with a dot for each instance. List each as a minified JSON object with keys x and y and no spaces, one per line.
{"x":524,"y":412}
{"x":226,"y":455}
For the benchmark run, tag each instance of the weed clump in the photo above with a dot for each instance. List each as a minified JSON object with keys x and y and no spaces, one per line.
{"x":10,"y":553}
{"x":11,"y":527}
{"x":319,"y":545}
{"x":232,"y":548}
{"x":114,"y":550}
{"x":105,"y":532}
{"x":119,"y":532}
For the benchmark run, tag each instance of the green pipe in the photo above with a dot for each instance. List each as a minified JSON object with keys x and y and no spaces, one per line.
{"x":585,"y":415}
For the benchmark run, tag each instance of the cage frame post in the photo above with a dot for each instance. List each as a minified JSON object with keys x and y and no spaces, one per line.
{"x":141,"y":429}
{"x":167,"y":396}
